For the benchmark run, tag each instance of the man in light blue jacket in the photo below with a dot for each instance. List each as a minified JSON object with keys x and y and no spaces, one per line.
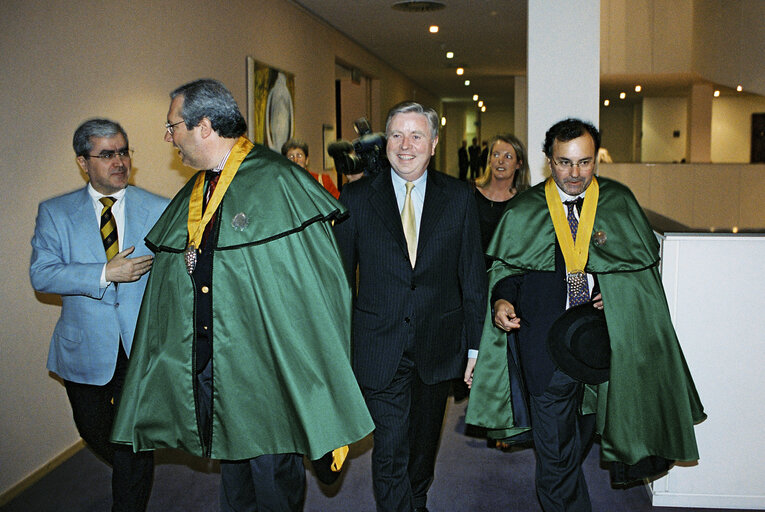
{"x":88,"y":248}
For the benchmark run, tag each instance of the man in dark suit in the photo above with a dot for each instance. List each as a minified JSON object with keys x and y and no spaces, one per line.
{"x":413,"y":234}
{"x":464,"y":160}
{"x":101,"y":282}
{"x":475,"y":159}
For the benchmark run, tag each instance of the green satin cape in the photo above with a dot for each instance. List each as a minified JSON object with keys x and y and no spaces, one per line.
{"x":650,"y":404}
{"x":282,"y":380}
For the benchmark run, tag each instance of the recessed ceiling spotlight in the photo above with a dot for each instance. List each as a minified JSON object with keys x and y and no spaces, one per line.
{"x":716,"y":94}
{"x":622,"y":95}
{"x":739,"y":88}
{"x":443,"y":120}
{"x":421,"y":6}
{"x":460,"y":71}
{"x":483,"y":109}
{"x":638,"y":88}
{"x":449,"y":55}
{"x":606,"y":103}
{"x":433,"y":29}
{"x":480,"y":103}
{"x":475,"y":97}
{"x":467,"y":82}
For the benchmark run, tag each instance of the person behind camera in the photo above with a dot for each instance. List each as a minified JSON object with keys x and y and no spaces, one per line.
{"x":297,"y":151}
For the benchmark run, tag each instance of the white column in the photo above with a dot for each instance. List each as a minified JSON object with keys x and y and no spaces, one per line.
{"x":699,"y":139}
{"x":563,"y":69}
{"x":521,"y":110}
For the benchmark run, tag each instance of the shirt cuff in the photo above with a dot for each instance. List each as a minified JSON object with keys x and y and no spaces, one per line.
{"x":472,"y":353}
{"x":104,"y":282}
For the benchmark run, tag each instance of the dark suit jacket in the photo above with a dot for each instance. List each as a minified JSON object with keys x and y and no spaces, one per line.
{"x":434,"y":310}
{"x":539,"y":298}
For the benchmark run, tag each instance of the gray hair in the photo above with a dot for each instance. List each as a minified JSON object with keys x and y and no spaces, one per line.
{"x":82,"y":142}
{"x":411,"y":107}
{"x":209,"y":98}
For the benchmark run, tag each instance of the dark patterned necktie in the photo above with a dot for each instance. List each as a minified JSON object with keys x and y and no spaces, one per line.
{"x":109,"y":229}
{"x":578,"y":287}
{"x":212,"y":178}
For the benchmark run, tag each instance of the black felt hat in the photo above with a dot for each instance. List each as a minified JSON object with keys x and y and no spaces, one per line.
{"x":579,"y":344}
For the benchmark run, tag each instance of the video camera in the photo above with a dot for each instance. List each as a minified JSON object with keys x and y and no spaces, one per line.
{"x":365,"y":154}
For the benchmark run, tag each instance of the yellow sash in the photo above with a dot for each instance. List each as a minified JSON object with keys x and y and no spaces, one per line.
{"x":196,"y":222}
{"x":574,"y":254}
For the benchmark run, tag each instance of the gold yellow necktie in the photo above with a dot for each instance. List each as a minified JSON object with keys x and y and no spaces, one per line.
{"x":408,"y":221}
{"x":109,"y":229}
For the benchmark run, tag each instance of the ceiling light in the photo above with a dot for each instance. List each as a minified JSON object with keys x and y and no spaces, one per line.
{"x":475,"y":97}
{"x":467,"y":82}
{"x":717,"y":94}
{"x":739,"y":88}
{"x":480,"y":103}
{"x":606,"y":103}
{"x":638,"y":88}
{"x":622,"y":95}
{"x":443,"y":120}
{"x":449,"y":55}
{"x":433,"y":29}
{"x":460,"y":71}
{"x":483,"y":109}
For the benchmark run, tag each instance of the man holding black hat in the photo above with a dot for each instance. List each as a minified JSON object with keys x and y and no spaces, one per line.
{"x":575,"y":283}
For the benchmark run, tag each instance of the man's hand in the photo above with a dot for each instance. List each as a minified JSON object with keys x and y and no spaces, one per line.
{"x":122,"y":269}
{"x":597,"y":301}
{"x":469,"y":371}
{"x":504,"y":316}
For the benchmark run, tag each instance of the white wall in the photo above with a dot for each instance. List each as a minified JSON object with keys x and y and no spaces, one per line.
{"x":63,"y":62}
{"x":661,"y":117}
{"x":729,"y":42}
{"x":732,"y":127}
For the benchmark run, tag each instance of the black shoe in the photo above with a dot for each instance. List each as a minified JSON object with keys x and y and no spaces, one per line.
{"x":421,"y":509}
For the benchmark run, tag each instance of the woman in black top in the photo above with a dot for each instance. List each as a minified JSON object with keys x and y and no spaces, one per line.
{"x":506,"y":174}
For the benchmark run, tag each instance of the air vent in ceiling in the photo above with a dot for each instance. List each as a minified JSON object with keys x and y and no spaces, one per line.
{"x":418,"y":6}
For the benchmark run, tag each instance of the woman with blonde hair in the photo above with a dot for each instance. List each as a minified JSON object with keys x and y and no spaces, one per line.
{"x":505,"y":176}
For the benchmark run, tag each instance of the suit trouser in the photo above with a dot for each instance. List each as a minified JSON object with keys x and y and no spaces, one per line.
{"x":269,"y":483}
{"x":93,"y":408}
{"x":408,"y":415}
{"x":562,"y":438}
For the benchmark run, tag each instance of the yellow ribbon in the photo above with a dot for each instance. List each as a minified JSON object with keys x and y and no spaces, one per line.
{"x":338,"y":458}
{"x":197,"y":221}
{"x":575,"y":254}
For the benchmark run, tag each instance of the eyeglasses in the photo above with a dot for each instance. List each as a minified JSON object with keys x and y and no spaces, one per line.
{"x":170,"y":127}
{"x":107,"y":156}
{"x":584,"y":165}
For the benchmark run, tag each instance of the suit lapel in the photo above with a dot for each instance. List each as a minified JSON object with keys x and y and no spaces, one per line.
{"x":86,"y":223}
{"x":136,"y":216}
{"x":435,"y":202}
{"x":383,"y":200}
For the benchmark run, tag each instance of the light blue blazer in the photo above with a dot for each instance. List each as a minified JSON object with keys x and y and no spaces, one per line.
{"x":67,"y":259}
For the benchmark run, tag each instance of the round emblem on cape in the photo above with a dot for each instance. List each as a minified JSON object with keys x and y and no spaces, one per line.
{"x":599,"y":237}
{"x":240,"y":221}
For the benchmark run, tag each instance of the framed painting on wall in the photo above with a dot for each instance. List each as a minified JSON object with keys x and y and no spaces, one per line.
{"x":270,"y":104}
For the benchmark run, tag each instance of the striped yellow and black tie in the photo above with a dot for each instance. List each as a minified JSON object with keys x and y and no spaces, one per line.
{"x":109,"y":229}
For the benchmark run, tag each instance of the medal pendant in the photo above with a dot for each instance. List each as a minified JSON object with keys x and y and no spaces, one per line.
{"x":190,"y":255}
